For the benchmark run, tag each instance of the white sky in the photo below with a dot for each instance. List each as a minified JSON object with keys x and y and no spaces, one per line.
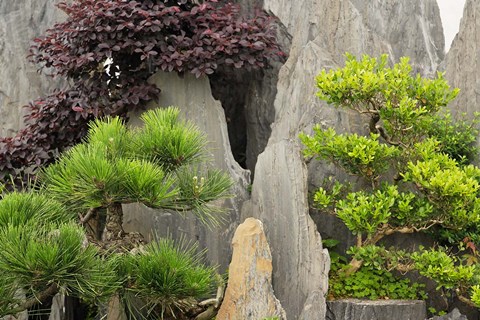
{"x":451,"y":12}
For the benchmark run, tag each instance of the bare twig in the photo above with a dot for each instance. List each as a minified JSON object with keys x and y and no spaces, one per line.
{"x":387,"y":230}
{"x":213,"y":303}
{"x":385,"y":136}
{"x":88,"y":216}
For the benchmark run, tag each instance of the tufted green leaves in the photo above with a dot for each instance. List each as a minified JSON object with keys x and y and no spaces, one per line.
{"x":364,"y":156}
{"x":403,"y":102}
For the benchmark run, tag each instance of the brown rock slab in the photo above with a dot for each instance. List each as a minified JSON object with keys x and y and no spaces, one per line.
{"x":249,"y":293}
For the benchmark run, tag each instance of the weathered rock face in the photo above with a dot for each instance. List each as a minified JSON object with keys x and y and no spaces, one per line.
{"x":377,"y":310}
{"x":20,"y":22}
{"x":323,"y":30}
{"x":462,"y":63}
{"x":279,"y":199}
{"x":249,"y":293}
{"x":194,"y":98}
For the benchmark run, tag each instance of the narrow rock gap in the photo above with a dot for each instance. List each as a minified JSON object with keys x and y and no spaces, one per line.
{"x":248,"y":100}
{"x":230,"y":87}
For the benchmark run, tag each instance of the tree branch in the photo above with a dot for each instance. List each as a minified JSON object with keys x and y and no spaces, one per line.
{"x":38,"y":299}
{"x":88,"y":216}
{"x":387,"y":230}
{"x":372,"y":124}
{"x":466,"y":301}
{"x":384,"y":135}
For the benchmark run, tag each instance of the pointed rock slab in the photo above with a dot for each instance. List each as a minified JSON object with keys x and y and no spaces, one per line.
{"x":279,"y":199}
{"x":249,"y":293}
{"x":462,"y":63}
{"x":194,"y":98}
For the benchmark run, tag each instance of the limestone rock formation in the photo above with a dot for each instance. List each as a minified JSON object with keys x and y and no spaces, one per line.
{"x":194,"y":98}
{"x":20,"y":22}
{"x":249,"y":293}
{"x":323,"y":30}
{"x":279,"y":199}
{"x":462,"y":63}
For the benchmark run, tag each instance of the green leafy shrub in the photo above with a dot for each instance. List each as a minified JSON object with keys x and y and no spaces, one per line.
{"x":415,"y":177}
{"x":371,"y":283}
{"x":456,"y":137}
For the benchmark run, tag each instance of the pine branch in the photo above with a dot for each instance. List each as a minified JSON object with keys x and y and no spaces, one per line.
{"x":38,"y":299}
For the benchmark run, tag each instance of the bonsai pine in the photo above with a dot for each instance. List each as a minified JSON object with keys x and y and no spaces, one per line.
{"x":66,"y":235}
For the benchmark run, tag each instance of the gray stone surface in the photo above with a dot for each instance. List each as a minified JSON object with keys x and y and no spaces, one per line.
{"x":279,"y":200}
{"x":314,"y":303}
{"x":323,"y":30}
{"x":376,"y":310}
{"x":194,"y":98}
{"x":462,"y":63}
{"x":454,"y":315}
{"x":20,"y":22}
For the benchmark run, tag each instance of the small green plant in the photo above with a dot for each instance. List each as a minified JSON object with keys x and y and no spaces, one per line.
{"x":165,"y":277}
{"x":434,"y":312}
{"x":413,"y":176}
{"x":371,"y":283}
{"x":371,"y":280}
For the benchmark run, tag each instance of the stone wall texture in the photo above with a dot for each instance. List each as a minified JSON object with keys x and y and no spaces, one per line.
{"x":462,"y":62}
{"x":20,"y":22}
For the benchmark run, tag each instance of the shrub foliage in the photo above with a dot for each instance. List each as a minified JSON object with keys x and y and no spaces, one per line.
{"x":413,"y":175}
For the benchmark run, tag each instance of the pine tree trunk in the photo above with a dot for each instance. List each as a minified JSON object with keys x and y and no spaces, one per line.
{"x":113,"y":223}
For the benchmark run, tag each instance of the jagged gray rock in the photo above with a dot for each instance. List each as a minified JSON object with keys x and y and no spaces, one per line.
{"x":323,"y":30}
{"x":249,"y":293}
{"x":350,"y":309}
{"x":313,"y":304}
{"x":462,"y":63}
{"x":194,"y":98}
{"x":279,"y":199}
{"x":20,"y":22}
